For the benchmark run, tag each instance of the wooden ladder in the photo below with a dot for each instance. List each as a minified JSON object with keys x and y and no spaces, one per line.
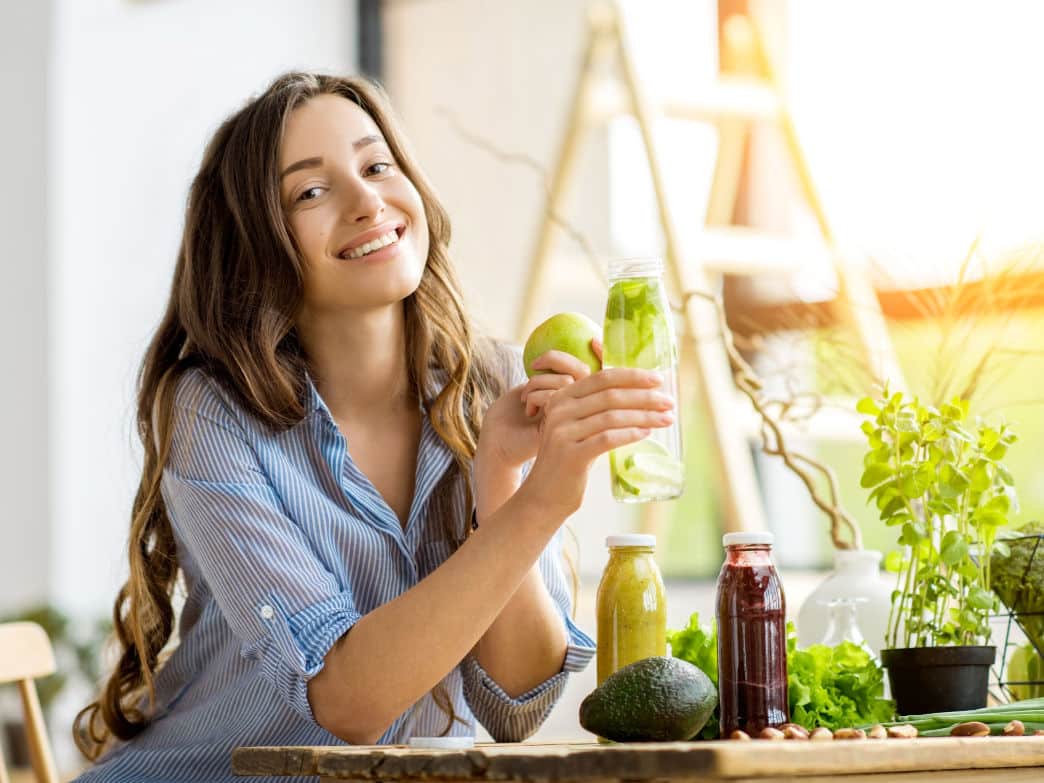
{"x":694,"y":258}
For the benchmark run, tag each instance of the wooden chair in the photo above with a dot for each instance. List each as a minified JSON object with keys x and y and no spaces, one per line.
{"x":25,"y":654}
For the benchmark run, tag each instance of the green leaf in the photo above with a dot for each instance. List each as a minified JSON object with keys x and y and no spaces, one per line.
{"x":911,"y":535}
{"x":954,"y":548}
{"x":900,"y":518}
{"x":933,"y":430}
{"x":895,"y":504}
{"x":980,"y":477}
{"x":1005,"y":475}
{"x":999,"y":503}
{"x":867,"y":406}
{"x":980,"y":599}
{"x":997,"y":452}
{"x":988,"y":438}
{"x":876,"y":473}
{"x":894,"y":563}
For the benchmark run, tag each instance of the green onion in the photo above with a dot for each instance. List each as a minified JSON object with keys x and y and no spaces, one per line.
{"x":995,"y":728}
{"x":1029,"y":711}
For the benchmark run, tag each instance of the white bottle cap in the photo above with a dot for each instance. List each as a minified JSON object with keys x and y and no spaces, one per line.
{"x":748,"y":538}
{"x":442,"y":743}
{"x":631,"y":539}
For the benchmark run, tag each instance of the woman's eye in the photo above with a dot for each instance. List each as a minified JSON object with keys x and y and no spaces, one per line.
{"x":305,"y":193}
{"x":381,"y":167}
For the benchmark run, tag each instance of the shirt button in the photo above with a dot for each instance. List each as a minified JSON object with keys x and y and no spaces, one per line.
{"x":267,"y":612}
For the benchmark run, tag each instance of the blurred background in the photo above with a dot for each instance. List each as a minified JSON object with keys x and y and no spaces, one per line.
{"x":918,"y":124}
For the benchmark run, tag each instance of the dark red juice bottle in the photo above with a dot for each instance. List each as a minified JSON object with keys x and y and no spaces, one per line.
{"x":752,"y":636}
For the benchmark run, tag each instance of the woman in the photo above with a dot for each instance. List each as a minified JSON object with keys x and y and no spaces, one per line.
{"x":334,"y":464}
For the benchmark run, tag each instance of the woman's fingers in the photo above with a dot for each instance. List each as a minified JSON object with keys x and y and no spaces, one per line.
{"x":583,"y":429}
{"x":561,"y":363}
{"x":620,"y":398}
{"x":627,"y":377}
{"x":536,"y":401}
{"x":606,"y":440}
{"x":596,"y":346}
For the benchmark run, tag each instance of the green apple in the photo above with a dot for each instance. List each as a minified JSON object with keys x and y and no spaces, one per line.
{"x":568,"y":332}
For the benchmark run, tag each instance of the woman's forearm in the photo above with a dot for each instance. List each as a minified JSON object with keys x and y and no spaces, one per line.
{"x":526,"y":644}
{"x":401,"y":650}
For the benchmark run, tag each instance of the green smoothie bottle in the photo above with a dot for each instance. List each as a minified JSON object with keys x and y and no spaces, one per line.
{"x":639,"y":333}
{"x":631,"y":605}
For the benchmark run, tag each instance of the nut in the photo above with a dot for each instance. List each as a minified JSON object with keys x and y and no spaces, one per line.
{"x":1014,"y":729}
{"x":972,"y":728}
{"x":878,"y":732}
{"x":821,"y":733}
{"x":738,"y":734}
{"x":905,"y":731}
{"x":1038,"y":733}
{"x":849,"y":734}
{"x":794,"y":731}
{"x":770,"y":733}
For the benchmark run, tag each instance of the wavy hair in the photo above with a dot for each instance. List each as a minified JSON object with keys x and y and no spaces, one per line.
{"x":236,"y":292}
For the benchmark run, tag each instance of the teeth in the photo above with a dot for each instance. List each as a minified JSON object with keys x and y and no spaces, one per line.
{"x":376,"y":244}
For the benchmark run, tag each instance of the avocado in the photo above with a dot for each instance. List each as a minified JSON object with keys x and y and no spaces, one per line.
{"x":658,"y":699}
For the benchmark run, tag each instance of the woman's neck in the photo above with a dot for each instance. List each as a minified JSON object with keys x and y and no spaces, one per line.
{"x":359,"y":360}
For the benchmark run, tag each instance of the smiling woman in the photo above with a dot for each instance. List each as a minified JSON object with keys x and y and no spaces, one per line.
{"x":342,"y":474}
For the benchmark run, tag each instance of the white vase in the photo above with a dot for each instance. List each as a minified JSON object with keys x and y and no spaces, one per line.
{"x":856,"y":575}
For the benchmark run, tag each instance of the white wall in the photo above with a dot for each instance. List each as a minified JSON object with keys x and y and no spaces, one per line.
{"x":109,"y":104}
{"x":24,"y":530}
{"x":137,"y":88}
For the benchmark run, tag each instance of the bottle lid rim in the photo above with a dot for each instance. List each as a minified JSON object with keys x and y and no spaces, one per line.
{"x":635,"y":266}
{"x":631,"y":539}
{"x":748,"y":538}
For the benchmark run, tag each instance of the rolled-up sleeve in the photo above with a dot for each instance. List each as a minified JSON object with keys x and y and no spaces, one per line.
{"x":277,"y":597}
{"x":512,"y":720}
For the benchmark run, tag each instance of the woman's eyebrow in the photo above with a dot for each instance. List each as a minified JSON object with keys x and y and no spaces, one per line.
{"x":313,"y":163}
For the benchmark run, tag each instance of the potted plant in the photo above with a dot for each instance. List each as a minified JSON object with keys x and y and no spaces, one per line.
{"x":937,"y":477}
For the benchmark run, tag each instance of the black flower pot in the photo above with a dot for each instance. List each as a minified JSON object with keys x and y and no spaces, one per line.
{"x":938,"y":679}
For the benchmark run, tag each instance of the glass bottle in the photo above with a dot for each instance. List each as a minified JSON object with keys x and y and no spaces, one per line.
{"x":856,"y":574}
{"x":631,"y":605}
{"x":752,"y":636}
{"x":639,"y":332}
{"x":841,"y":623}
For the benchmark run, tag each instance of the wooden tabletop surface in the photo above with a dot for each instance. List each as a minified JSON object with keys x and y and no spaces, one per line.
{"x":1008,"y":759}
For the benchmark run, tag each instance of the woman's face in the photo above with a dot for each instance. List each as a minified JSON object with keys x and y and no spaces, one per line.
{"x":358,"y":221}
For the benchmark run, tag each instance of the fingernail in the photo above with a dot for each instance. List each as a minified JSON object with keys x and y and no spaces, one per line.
{"x":656,"y":378}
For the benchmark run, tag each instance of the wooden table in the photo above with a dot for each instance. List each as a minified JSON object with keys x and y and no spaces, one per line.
{"x":1007,"y":759}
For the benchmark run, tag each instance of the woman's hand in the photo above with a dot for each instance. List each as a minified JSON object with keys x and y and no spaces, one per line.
{"x":585,"y":418}
{"x":510,"y":431}
{"x":563,"y":369}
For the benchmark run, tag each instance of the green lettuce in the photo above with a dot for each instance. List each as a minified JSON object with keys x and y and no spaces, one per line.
{"x":836,"y":687}
{"x":699,"y":646}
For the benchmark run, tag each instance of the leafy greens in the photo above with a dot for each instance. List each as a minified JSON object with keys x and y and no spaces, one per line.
{"x":836,"y":687}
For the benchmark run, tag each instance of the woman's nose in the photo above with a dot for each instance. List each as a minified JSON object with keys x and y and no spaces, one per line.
{"x":365,"y":203}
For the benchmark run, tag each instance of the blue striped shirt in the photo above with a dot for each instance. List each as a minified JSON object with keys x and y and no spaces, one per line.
{"x":284,"y":545}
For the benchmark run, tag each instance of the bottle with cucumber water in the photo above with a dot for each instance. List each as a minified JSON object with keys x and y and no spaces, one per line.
{"x":639,"y":333}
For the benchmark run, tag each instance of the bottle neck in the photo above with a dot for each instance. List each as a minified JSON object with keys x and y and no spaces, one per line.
{"x":615,"y":551}
{"x":748,"y":555}
{"x":863,"y":563}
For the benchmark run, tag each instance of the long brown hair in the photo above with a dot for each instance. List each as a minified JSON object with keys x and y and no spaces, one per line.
{"x":233,"y":302}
